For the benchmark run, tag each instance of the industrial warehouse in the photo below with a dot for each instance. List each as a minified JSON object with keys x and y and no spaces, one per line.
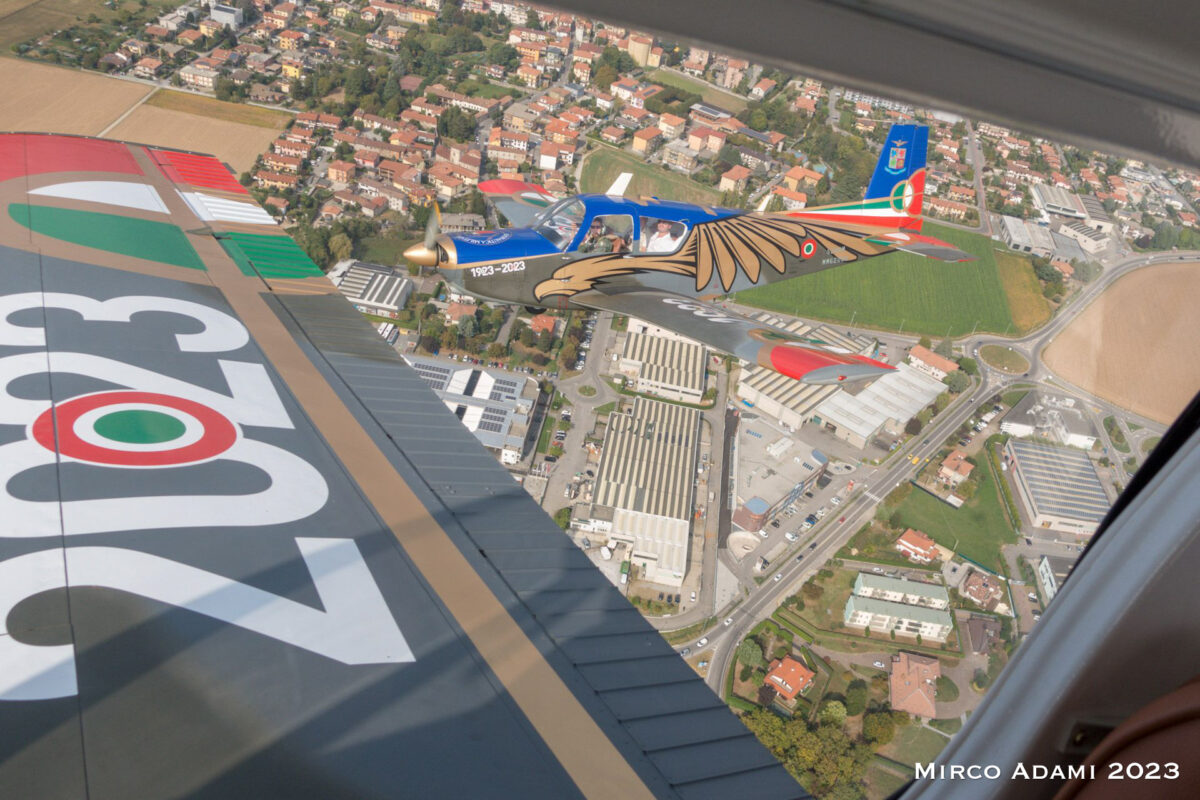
{"x":1058,"y":486}
{"x":495,"y":406}
{"x":669,"y":367}
{"x":372,"y":288}
{"x":883,"y":407}
{"x":645,"y":483}
{"x":789,"y":401}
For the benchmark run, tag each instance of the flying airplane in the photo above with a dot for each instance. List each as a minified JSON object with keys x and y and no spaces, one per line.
{"x":246,"y":552}
{"x":661,"y":261}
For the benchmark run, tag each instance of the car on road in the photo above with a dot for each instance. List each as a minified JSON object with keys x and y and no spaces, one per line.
{"x":1028,"y":540}
{"x":837,"y":501}
{"x":728,"y":621}
{"x":764,"y":533}
{"x":821,"y":512}
{"x":1033,"y":597}
{"x":805,"y":525}
{"x":842,"y":519}
{"x":693,"y":597}
{"x":790,"y":536}
{"x":778,"y":577}
{"x":774,"y":523}
{"x":877,"y":664}
{"x":687,"y":651}
{"x":800,"y":557}
{"x":702,"y":642}
{"x":876,"y":569}
{"x":812,"y":546}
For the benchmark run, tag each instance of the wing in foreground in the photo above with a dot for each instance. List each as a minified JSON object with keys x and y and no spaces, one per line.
{"x":247,"y":552}
{"x":519,"y":202}
{"x":807,"y":360}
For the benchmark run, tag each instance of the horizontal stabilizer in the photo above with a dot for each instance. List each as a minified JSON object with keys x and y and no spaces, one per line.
{"x":922,"y":246}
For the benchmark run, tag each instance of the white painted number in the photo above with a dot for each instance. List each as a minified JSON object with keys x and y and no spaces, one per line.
{"x":700,"y":310}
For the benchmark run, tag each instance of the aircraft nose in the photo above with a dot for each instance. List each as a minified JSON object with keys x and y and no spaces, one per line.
{"x":422,"y":255}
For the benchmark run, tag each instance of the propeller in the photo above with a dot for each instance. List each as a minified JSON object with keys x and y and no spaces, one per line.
{"x":426,"y":254}
{"x":434,"y":226}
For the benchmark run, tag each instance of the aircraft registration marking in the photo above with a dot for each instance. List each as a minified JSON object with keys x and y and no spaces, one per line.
{"x":161,"y":422}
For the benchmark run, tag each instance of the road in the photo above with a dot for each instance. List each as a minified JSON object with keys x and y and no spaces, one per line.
{"x":832,"y":532}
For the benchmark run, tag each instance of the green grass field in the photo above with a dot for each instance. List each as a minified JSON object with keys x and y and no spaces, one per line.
{"x":976,"y":531}
{"x":217,"y":109}
{"x":881,"y":783}
{"x":604,"y":165}
{"x":24,"y":19}
{"x":386,"y":250}
{"x":902,"y":291}
{"x":1003,"y":358}
{"x":730,"y":102}
{"x":914,"y":745}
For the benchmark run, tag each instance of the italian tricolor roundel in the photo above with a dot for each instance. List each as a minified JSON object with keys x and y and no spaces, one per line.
{"x":134,"y":429}
{"x":808,"y":248}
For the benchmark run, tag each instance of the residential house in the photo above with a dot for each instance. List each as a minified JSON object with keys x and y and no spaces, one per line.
{"x":913,"y":684}
{"x":734,"y":179}
{"x":916,"y":546}
{"x":955,"y":468}
{"x":930,"y":363}
{"x":789,"y":678}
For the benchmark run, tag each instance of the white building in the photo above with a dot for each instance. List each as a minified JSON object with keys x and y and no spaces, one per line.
{"x":372,"y":288}
{"x":887,"y":404}
{"x":666,"y":367}
{"x":1053,"y":417}
{"x":494,"y":405}
{"x":1058,"y":486}
{"x":646,"y":477}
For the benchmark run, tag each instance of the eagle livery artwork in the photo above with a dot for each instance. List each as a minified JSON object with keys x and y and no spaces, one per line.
{"x":664,"y":261}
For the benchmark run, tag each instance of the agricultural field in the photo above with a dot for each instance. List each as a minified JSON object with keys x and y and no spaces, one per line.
{"x":730,"y":102}
{"x":905,"y":292}
{"x":604,"y":165}
{"x":40,"y":97}
{"x":24,"y":19}
{"x":388,"y":250}
{"x":212,"y":108}
{"x":1028,"y":307}
{"x":1136,"y":344}
{"x":235,"y":143}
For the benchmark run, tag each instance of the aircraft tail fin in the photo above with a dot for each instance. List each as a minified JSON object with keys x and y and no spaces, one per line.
{"x":900,"y":172}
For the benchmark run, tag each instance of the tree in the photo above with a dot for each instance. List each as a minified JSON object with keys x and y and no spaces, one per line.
{"x":926,"y":342}
{"x":969,"y":366}
{"x":457,"y":124}
{"x":913,"y":426}
{"x":832,"y":713}
{"x":966,"y":490}
{"x":340,"y":247}
{"x":526,"y":336}
{"x":769,"y":729}
{"x":856,"y":697}
{"x":468,"y":326}
{"x":496,"y":350}
{"x":878,"y":728}
{"x":504,"y":55}
{"x":957,"y":381}
{"x":766,"y":695}
{"x":750,"y":654}
{"x":945,"y":348}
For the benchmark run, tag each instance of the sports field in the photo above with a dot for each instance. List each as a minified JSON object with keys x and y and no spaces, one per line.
{"x":726,"y":100}
{"x":216,"y":109}
{"x":1136,"y":345}
{"x":913,"y":294}
{"x":604,"y":165}
{"x":234,"y":143}
{"x":39,"y":97}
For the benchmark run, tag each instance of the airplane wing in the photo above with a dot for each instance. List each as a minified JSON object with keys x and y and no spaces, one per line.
{"x":247,"y":552}
{"x":808,"y":360}
{"x":518,"y":201}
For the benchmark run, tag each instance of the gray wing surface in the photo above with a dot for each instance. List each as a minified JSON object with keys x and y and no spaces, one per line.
{"x":247,"y":552}
{"x":806,"y":359}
